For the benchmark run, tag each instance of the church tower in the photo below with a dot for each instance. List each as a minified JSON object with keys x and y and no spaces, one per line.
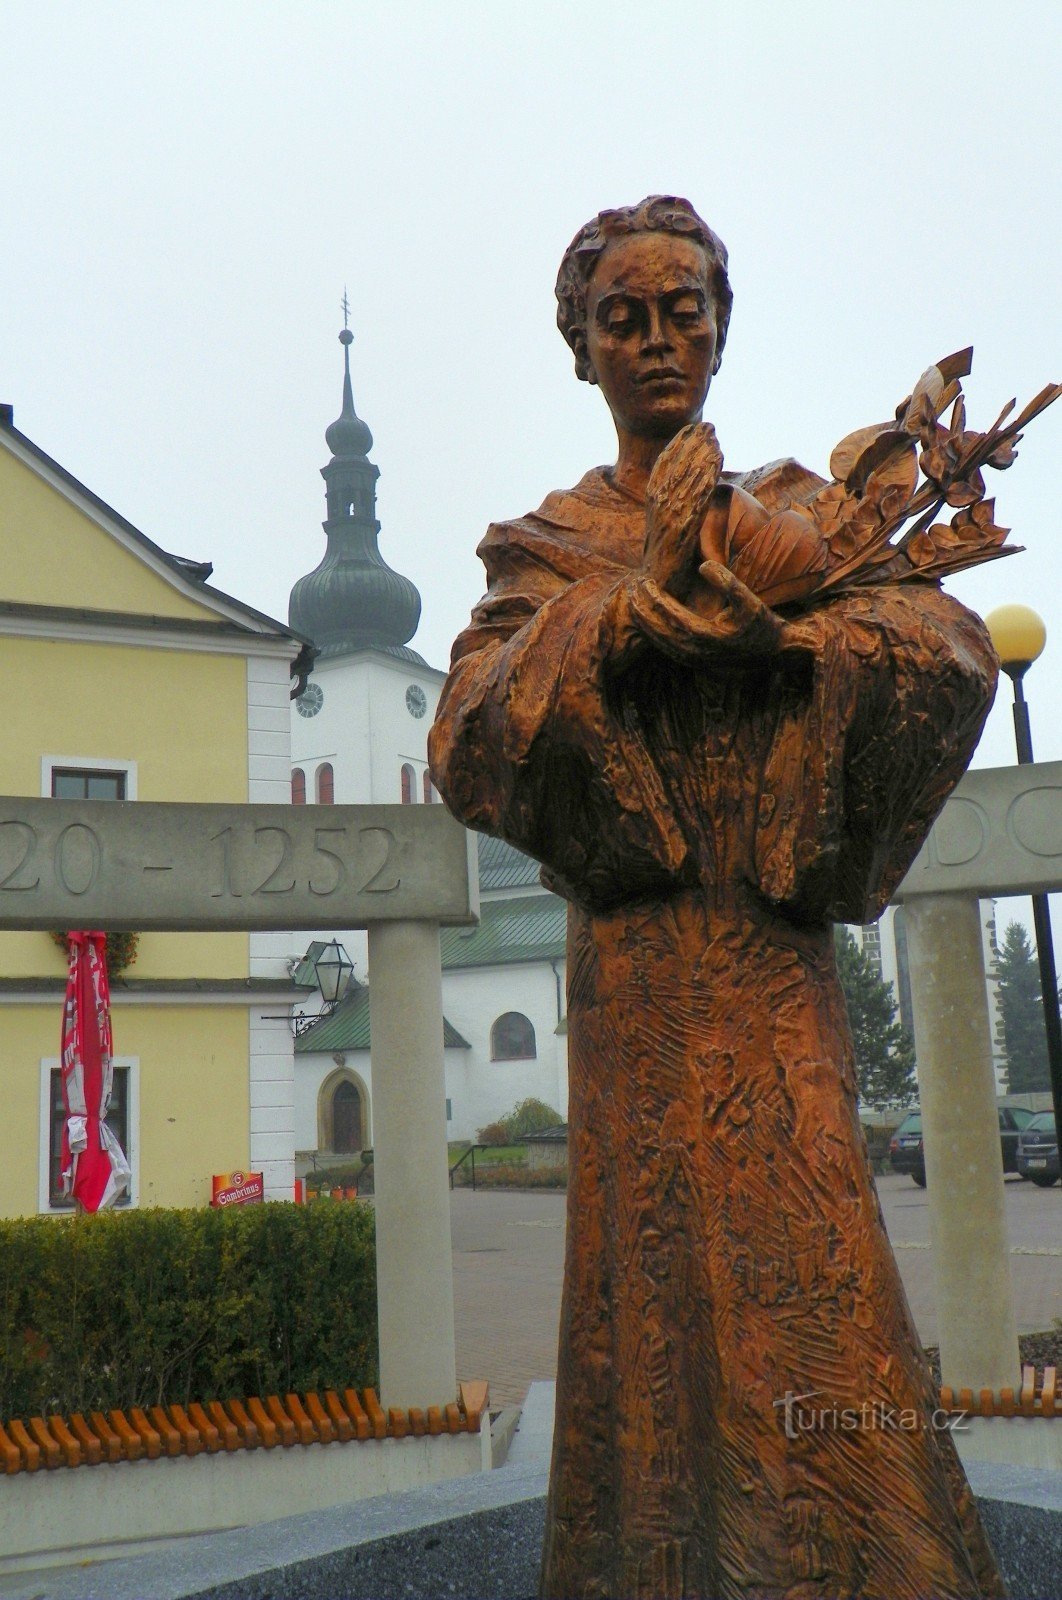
{"x":359,"y":729}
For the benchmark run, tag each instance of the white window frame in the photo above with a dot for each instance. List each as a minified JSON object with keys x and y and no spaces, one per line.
{"x":50,"y":1064}
{"x":88,"y":764}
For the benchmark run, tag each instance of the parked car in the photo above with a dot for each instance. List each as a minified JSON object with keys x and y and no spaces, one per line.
{"x":907,"y":1155}
{"x":1038,"y":1150}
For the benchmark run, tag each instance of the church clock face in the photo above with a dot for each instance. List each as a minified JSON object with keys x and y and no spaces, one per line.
{"x":416,"y":700}
{"x":310,"y":700}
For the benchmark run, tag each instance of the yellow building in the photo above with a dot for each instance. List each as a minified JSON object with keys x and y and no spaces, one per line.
{"x":127,"y":676}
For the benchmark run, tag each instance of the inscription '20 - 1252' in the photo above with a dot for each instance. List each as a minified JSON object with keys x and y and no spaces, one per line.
{"x":237,"y":862}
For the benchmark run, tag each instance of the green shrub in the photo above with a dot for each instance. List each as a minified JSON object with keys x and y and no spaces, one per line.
{"x":153,"y":1307}
{"x":494,"y":1133}
{"x":509,"y":1176}
{"x":530,"y":1116}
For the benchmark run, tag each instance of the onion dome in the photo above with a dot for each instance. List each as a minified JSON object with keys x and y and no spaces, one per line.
{"x":353,"y":600}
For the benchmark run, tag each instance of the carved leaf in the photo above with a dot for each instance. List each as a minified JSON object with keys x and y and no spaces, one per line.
{"x":846,"y":453}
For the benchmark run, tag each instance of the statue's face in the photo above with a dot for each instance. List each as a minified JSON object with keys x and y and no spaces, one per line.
{"x":651,"y":332}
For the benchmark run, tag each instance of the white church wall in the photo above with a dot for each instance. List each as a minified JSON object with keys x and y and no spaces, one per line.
{"x":313,"y":1071}
{"x":338,"y":734}
{"x":397,"y":734}
{"x":478,"y":1089}
{"x":271,"y":1093}
{"x":482,"y":1090}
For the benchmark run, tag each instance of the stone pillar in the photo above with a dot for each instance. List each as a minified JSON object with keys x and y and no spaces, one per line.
{"x":960,"y":1124}
{"x":414,"y":1260}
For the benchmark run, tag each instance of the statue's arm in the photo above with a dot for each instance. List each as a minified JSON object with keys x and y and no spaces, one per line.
{"x":530,"y":743}
{"x":900,"y":681}
{"x":534,"y":739}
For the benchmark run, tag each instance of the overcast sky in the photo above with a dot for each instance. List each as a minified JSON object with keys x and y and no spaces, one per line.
{"x":188,"y":187}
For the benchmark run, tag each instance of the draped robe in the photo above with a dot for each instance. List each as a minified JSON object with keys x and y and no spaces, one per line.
{"x":709,"y":812}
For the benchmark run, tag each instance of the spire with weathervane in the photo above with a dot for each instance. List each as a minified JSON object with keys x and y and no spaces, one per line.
{"x":353,"y":600}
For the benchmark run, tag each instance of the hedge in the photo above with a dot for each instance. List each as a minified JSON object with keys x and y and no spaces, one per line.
{"x":157,"y":1307}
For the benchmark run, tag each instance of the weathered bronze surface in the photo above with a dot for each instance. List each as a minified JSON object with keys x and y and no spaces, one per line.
{"x":722,"y":710}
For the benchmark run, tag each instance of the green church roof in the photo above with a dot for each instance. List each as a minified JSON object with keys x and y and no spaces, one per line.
{"x":347,"y":1028}
{"x":502,"y":866}
{"x":526,"y":928}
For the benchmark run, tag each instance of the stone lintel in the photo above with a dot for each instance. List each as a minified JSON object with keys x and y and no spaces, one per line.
{"x":170,"y":865}
{"x":1000,"y":833}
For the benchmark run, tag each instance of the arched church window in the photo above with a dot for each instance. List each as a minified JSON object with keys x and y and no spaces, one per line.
{"x":512,"y":1038}
{"x":325,"y":782}
{"x":346,"y":1119}
{"x":298,"y":787}
{"x":409,"y":793}
{"x":429,"y":791}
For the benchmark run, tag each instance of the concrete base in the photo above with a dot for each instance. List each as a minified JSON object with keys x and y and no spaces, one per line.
{"x":50,"y":1519}
{"x":479,"y":1538}
{"x":1012,"y":1442}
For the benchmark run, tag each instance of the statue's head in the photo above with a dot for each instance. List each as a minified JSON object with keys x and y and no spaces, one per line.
{"x":644,"y":300}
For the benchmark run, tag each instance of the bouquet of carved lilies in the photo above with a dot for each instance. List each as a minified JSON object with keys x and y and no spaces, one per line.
{"x":893,"y":478}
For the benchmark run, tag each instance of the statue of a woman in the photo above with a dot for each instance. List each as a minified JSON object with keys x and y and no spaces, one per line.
{"x":711,"y":780}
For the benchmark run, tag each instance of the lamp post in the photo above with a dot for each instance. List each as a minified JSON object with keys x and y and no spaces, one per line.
{"x":1019,"y":637}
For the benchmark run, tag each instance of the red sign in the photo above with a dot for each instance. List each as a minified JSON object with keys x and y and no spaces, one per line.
{"x":237,"y":1188}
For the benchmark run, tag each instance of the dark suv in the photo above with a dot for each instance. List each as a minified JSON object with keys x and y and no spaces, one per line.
{"x":907,"y":1155}
{"x":1038,"y":1150}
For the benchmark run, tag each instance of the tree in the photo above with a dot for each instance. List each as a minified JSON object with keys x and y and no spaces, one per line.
{"x":884,"y":1052}
{"x":1022,"y":1010}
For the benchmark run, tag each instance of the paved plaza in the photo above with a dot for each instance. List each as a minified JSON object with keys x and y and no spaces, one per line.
{"x":509,"y":1259}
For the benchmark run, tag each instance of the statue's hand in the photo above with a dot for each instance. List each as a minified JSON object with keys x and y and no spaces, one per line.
{"x":677,"y":502}
{"x":731,"y":618}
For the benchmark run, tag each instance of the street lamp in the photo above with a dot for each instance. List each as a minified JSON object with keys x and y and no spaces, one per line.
{"x":1019,"y":637}
{"x":332,"y":970}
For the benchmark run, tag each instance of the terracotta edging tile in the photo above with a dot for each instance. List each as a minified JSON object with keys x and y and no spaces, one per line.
{"x":132,"y":1443}
{"x":70,"y":1446}
{"x":362,"y":1425}
{"x":10,"y":1453}
{"x":320,"y":1419}
{"x":376,"y":1414}
{"x":289,"y":1434}
{"x":172,"y":1440}
{"x":91,"y":1444}
{"x":191,"y":1439}
{"x":250,"y":1438}
{"x":338,"y":1416}
{"x":150,"y":1436}
{"x":306,"y":1430}
{"x":207,"y":1431}
{"x":53,"y":1456}
{"x":28,"y":1448}
{"x":247,"y":1424}
{"x":268,"y":1431}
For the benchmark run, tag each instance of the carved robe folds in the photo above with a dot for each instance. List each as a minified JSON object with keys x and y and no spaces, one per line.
{"x":708,"y":812}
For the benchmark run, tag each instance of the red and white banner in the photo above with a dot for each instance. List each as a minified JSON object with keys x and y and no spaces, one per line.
{"x":237,"y":1188}
{"x":93,"y":1165}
